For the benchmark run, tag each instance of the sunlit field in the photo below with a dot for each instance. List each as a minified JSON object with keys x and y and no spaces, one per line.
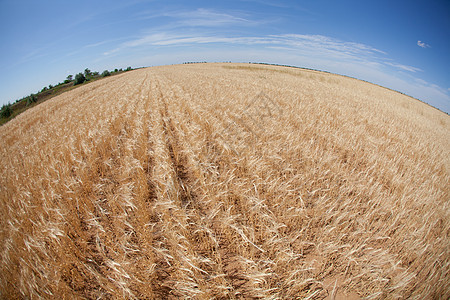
{"x":226,"y":181}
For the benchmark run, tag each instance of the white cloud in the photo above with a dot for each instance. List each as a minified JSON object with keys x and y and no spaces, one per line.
{"x":403,"y":67}
{"x":86,"y":47}
{"x":206,"y":18}
{"x":423,"y":45}
{"x":313,"y":45}
{"x":330,"y":43}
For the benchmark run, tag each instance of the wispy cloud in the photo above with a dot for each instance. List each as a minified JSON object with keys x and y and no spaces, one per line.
{"x":423,"y":45}
{"x":315,"y":45}
{"x":324,"y":45}
{"x":200,"y":17}
{"x":207,"y":18}
{"x":403,"y":67}
{"x":89,"y":46}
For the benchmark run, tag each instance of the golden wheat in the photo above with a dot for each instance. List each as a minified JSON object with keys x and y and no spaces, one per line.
{"x":226,"y":181}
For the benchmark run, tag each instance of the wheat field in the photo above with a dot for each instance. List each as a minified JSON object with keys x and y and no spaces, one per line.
{"x":226,"y":181}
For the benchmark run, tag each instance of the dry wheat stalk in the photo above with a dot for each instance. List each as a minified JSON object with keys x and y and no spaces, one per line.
{"x":226,"y":181}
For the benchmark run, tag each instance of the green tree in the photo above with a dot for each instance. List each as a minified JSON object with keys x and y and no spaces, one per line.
{"x":6,"y":111}
{"x":105,"y":73}
{"x":69,"y":78}
{"x":87,"y":73}
{"x":79,"y":78}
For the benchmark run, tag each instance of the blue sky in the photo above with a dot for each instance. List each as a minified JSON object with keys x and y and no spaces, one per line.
{"x":403,"y":45}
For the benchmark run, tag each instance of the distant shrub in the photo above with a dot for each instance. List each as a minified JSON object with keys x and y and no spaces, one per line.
{"x":6,"y":111}
{"x":128,"y":69}
{"x":69,"y":78}
{"x":116,"y":70}
{"x":31,"y":99}
{"x":106,"y":73}
{"x":79,"y":78}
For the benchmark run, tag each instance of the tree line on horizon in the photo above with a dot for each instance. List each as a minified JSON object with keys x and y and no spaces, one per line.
{"x":7,"y":110}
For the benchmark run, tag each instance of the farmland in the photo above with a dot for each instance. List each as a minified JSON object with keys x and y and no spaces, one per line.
{"x":226,"y":181}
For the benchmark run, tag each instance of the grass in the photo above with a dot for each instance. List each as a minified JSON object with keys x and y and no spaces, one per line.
{"x":205,"y":181}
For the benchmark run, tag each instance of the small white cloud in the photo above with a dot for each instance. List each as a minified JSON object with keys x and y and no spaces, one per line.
{"x":423,"y":45}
